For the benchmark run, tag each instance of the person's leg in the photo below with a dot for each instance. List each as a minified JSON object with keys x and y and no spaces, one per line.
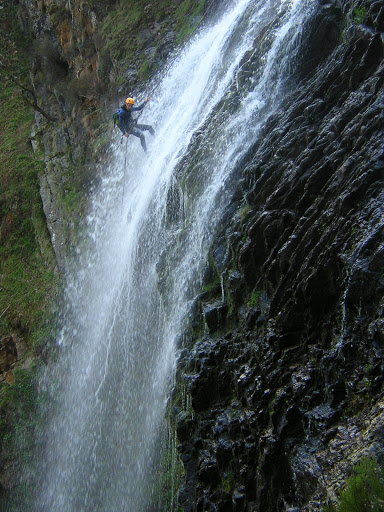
{"x":140,"y":135}
{"x":146,"y":127}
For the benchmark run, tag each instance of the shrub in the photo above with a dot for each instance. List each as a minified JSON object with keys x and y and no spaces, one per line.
{"x":359,"y":15}
{"x":364,"y":491}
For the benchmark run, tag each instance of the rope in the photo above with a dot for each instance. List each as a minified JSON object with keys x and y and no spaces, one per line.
{"x":197,"y":24}
{"x":203,"y":16}
{"x":125,"y":171}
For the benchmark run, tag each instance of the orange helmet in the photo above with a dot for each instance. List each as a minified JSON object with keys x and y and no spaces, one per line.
{"x":129,"y":101}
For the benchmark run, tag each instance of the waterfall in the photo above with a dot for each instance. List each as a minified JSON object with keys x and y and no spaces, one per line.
{"x":134,"y":277}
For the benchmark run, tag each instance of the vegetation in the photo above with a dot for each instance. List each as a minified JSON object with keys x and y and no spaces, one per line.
{"x":18,"y":420}
{"x":364,"y":491}
{"x":14,"y":62}
{"x":359,"y":15}
{"x":188,"y":16}
{"x":27,"y":276}
{"x":17,"y":404}
{"x":212,"y":288}
{"x":170,"y":475}
{"x":254,"y":299}
{"x":128,"y":17}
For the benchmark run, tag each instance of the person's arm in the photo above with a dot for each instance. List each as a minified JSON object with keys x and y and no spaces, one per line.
{"x":140,"y":107}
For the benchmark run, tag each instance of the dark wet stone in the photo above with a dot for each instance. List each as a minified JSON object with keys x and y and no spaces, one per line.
{"x":290,"y":373}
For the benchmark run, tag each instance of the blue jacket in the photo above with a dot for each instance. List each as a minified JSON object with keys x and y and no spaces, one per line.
{"x":126,"y":121}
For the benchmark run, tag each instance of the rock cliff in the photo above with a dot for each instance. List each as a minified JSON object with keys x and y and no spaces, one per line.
{"x":283,"y":362}
{"x":87,"y":57}
{"x":286,"y":383}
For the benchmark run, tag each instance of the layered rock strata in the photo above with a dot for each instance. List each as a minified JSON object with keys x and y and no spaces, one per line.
{"x":285,"y":385}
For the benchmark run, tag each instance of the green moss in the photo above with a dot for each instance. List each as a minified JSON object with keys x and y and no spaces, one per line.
{"x":170,"y":476}
{"x":359,"y":15}
{"x":100,"y":145}
{"x":124,"y":22}
{"x":188,"y":15}
{"x":244,"y":211}
{"x":364,"y":491}
{"x":255,"y":298}
{"x":229,"y":481}
{"x":171,"y":470}
{"x":118,"y":28}
{"x":144,"y":71}
{"x":19,"y":418}
{"x":71,"y":199}
{"x":213,"y":286}
{"x":57,"y":13}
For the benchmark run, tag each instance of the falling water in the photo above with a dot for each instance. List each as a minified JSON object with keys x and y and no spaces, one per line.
{"x":152,"y":221}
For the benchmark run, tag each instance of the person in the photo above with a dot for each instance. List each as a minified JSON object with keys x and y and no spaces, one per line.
{"x":128,"y":125}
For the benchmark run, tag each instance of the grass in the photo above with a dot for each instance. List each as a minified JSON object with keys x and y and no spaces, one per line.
{"x":17,"y":404}
{"x":365,"y":489}
{"x":26,"y":278}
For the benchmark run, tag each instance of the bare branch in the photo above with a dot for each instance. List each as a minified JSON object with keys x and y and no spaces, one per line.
{"x":34,"y":102}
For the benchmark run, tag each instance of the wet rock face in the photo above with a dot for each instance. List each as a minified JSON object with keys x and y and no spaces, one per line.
{"x":288,"y":378}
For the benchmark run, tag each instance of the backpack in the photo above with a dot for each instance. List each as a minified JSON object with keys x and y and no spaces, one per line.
{"x":115,"y":118}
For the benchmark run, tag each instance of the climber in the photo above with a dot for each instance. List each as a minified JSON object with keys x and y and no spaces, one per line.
{"x":129,"y":126}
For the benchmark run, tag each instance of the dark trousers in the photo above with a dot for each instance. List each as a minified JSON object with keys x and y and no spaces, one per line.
{"x":138,"y":130}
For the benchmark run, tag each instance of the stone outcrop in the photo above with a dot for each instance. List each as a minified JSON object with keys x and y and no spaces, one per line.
{"x":286,"y":384}
{"x":61,"y":31}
